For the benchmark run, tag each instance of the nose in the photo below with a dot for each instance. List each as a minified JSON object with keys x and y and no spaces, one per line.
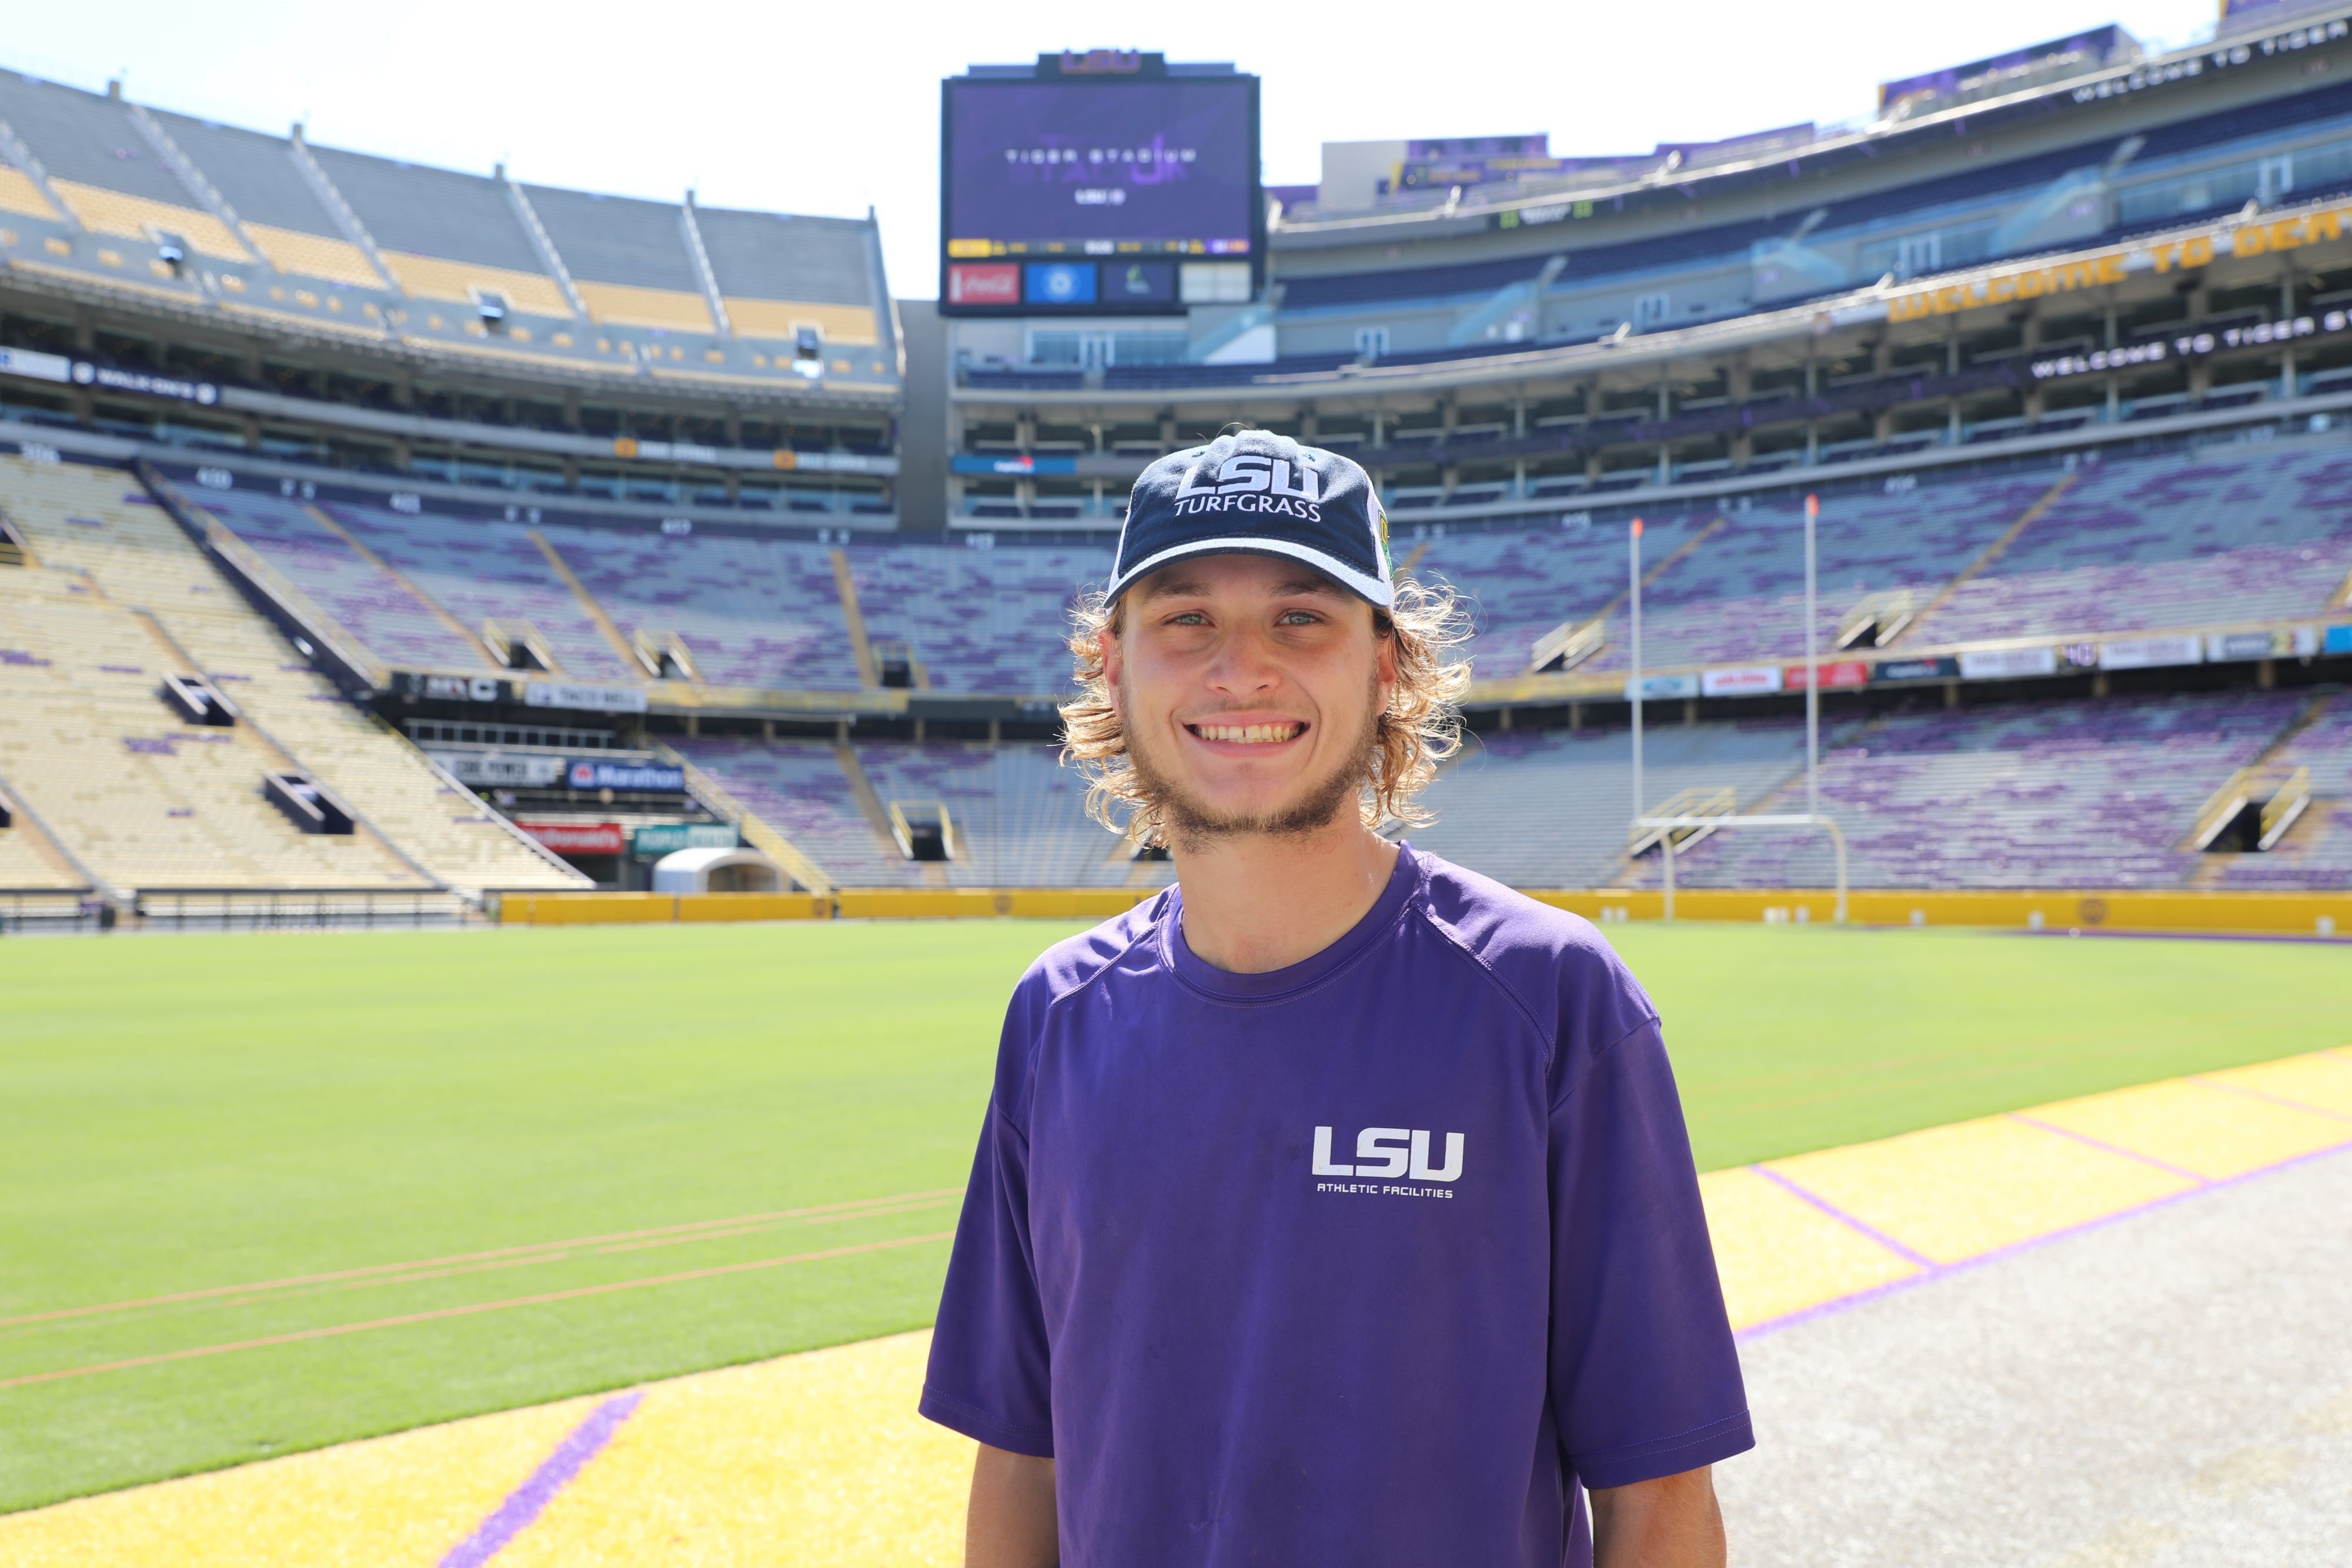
{"x":1242,"y":664}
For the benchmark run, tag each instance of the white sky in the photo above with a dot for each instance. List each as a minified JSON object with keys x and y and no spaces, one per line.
{"x":817,"y":108}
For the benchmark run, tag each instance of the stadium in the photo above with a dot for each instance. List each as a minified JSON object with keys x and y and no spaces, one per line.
{"x":1934,"y":530}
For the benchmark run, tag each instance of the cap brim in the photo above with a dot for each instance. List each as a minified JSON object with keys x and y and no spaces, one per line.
{"x":1377,"y":592}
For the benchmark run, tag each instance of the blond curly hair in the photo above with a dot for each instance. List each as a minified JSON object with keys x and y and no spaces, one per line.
{"x":1420,"y":728}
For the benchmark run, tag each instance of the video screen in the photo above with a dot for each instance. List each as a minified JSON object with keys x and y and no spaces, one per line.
{"x":1076,"y":194}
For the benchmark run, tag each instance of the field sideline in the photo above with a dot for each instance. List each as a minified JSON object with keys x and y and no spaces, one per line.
{"x":386,"y":1180}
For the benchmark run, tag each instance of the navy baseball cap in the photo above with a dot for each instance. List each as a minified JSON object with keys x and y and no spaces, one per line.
{"x":1256,"y":493}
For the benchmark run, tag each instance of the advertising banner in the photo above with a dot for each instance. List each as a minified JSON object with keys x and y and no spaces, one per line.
{"x":1742,"y":681}
{"x":984,"y":283}
{"x":500,"y":770}
{"x":1942,"y":668}
{"x":1835,"y":673}
{"x":2339,"y":639}
{"x":2008,"y":664}
{"x":1058,"y":283}
{"x":34,"y":365}
{"x":1657,"y":687}
{"x":986,"y":463}
{"x":599,"y":773}
{"x":590,"y":699}
{"x":2234,"y":647}
{"x":1139,"y":282}
{"x":450,"y":688}
{"x":575,"y":838}
{"x":658,"y":839}
{"x":2151,"y":653}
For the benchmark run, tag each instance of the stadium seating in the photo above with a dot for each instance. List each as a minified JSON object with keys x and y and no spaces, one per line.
{"x":801,"y":790}
{"x":379,"y":612}
{"x":1019,"y":815}
{"x":93,"y":521}
{"x":100,"y":164}
{"x":2043,"y":794}
{"x":2252,"y":532}
{"x":778,"y":272}
{"x":754,"y":611}
{"x":1552,"y":808}
{"x":978,"y":620}
{"x":279,"y":212}
{"x":480,"y":570}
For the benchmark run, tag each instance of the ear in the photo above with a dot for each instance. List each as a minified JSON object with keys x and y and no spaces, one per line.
{"x":1384,"y":657}
{"x":1113,"y":659}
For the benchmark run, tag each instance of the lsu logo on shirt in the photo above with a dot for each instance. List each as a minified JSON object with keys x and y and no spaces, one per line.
{"x":1385,"y":1155}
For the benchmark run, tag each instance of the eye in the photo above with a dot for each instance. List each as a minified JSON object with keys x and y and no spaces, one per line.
{"x":1188,"y":618}
{"x":1298,"y":617}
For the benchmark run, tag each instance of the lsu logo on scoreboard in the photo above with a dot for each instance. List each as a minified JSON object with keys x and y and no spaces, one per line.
{"x":1387,"y":1155}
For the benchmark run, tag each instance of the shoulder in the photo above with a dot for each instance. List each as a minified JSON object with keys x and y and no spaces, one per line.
{"x":1073,"y":964}
{"x":1556,"y":965}
{"x":1062,"y":972}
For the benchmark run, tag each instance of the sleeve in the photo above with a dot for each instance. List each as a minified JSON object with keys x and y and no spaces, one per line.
{"x":1644,"y":1374}
{"x":988,"y":1372}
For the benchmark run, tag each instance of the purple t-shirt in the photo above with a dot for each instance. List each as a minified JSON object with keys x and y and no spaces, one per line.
{"x":1363,"y":1260}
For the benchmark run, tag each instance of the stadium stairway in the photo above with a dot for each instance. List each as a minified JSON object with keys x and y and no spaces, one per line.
{"x":95,"y":521}
{"x":147,"y":801}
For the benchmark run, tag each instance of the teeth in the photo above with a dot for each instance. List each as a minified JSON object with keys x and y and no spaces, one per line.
{"x":1248,"y":733}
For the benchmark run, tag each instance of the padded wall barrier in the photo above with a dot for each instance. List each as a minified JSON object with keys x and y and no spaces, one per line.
{"x":2284,"y":913}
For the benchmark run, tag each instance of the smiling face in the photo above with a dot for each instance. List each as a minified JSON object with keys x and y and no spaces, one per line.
{"x":1249,"y":689}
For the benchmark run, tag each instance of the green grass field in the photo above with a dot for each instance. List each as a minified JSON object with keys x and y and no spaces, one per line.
{"x":237,"y":1115}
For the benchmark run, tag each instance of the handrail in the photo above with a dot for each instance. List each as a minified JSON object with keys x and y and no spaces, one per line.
{"x":2289,"y":801}
{"x":2221,"y":808}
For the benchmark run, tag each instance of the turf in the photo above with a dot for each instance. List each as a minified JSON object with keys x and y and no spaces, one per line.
{"x":187,"y":1114}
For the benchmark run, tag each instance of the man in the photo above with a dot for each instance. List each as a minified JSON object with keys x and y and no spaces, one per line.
{"x":1335,"y":1206}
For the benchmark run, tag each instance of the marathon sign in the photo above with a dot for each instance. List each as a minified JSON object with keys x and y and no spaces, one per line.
{"x":644,"y":777}
{"x":577,"y":838}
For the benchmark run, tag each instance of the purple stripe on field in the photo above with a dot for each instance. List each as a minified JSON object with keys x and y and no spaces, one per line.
{"x":1842,"y":1218}
{"x":2274,"y":1098}
{"x":1827,"y":1309}
{"x":2104,"y":1147}
{"x":527,"y":1501}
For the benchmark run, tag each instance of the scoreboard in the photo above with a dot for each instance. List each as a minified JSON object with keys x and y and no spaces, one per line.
{"x":1104,"y":183}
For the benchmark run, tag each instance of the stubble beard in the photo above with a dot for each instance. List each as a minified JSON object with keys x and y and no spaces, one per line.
{"x":1191,"y":823}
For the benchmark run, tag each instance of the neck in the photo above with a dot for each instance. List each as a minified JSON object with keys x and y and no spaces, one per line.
{"x":1256,"y":902}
